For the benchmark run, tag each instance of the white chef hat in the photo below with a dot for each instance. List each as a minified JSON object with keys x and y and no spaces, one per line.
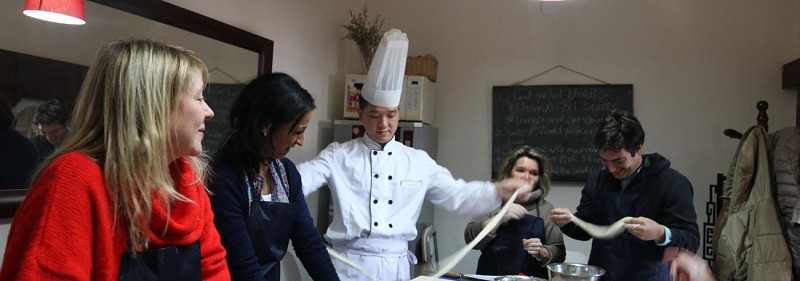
{"x":385,"y":76}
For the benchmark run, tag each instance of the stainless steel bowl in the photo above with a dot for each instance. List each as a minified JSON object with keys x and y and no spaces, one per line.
{"x":574,"y":272}
{"x":518,"y":278}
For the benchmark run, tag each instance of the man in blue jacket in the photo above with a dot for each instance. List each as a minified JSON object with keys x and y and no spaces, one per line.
{"x":658,"y":199}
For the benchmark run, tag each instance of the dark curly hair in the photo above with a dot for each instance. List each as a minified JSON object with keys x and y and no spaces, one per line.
{"x":51,"y":112}
{"x":617,"y":131}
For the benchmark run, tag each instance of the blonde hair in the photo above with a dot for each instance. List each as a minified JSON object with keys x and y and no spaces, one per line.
{"x":545,"y":170}
{"x":122,"y":119}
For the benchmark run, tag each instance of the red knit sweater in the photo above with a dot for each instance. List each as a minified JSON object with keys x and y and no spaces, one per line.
{"x":65,"y":227}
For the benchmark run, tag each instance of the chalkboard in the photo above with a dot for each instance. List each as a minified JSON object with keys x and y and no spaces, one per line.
{"x":559,"y":121}
{"x":220,"y":98}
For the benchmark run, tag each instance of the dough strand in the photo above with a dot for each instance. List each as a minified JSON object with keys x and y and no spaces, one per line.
{"x":600,"y":231}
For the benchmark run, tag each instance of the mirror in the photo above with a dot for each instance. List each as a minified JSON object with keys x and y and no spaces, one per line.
{"x":232,"y":55}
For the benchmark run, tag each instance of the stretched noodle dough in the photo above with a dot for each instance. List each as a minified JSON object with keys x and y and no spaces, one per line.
{"x":336,"y":255}
{"x":601,"y":231}
{"x":452,"y":260}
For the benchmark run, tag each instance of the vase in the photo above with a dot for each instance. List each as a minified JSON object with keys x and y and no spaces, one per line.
{"x":367,"y":52}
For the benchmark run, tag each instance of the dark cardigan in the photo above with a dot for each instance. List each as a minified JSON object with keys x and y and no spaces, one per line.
{"x":231,"y":208}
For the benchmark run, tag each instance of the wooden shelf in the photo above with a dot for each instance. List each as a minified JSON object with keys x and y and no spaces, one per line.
{"x":791,"y":79}
{"x":791,"y":74}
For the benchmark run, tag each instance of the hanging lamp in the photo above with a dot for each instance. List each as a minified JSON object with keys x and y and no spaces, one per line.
{"x":59,"y":11}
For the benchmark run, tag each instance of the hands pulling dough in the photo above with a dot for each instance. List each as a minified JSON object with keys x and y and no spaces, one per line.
{"x":640,"y":227}
{"x":600,"y":231}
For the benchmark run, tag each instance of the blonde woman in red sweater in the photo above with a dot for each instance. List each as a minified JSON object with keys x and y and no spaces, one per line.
{"x":123,"y":196}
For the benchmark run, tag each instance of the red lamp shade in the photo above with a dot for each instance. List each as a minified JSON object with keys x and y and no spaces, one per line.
{"x":60,"y":11}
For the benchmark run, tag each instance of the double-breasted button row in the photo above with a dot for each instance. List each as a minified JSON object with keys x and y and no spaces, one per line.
{"x":375,"y":201}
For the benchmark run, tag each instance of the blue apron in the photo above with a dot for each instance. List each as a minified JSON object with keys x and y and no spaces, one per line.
{"x":505,"y":255}
{"x":270,"y":227}
{"x":167,"y":263}
{"x":625,"y":257}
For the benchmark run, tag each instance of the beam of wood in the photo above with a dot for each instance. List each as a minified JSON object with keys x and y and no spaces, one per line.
{"x":791,"y":74}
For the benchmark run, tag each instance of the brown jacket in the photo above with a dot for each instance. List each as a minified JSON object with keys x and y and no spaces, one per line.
{"x":748,"y":241}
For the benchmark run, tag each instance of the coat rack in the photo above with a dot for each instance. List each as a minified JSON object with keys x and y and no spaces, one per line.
{"x":761,"y":118}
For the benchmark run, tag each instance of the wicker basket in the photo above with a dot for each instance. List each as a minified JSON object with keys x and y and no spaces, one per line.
{"x":422,"y":65}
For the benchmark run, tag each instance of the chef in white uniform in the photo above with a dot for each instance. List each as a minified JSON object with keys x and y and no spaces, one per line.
{"x":378,"y":184}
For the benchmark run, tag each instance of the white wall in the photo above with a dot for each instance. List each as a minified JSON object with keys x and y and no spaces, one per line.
{"x":698,"y":67}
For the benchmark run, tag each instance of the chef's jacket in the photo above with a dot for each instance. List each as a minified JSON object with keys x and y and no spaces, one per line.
{"x":378,"y":192}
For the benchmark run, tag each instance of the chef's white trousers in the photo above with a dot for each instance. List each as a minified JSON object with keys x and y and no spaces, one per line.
{"x":383,"y":259}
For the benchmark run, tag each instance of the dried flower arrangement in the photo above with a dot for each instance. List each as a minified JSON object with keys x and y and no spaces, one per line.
{"x":365,"y":33}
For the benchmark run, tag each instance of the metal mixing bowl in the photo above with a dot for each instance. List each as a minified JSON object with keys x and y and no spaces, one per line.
{"x":518,"y":278}
{"x":574,"y":272}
